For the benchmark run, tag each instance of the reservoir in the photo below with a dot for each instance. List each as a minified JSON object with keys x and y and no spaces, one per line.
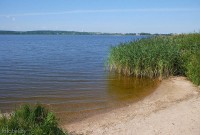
{"x":66,"y":73}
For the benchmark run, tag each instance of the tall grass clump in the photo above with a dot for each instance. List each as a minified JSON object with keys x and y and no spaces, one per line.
{"x":193,"y":69}
{"x":158,"y":56}
{"x":190,"y":50}
{"x":30,"y":120}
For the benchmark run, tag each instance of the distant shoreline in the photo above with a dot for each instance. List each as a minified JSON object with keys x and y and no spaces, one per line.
{"x":52,"y":32}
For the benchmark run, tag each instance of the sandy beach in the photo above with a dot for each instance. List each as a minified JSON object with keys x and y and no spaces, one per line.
{"x":173,"y":109}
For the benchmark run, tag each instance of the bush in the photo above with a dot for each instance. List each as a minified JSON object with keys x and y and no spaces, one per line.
{"x":30,"y":120}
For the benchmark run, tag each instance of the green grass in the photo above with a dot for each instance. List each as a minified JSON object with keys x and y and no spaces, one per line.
{"x":30,"y":120}
{"x":158,"y":56}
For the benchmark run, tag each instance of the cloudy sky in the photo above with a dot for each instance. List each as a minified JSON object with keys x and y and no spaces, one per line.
{"x":154,"y":16}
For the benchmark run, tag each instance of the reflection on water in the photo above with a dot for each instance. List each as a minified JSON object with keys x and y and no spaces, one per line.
{"x":123,"y":88}
{"x":120,"y":91}
{"x":66,"y":74}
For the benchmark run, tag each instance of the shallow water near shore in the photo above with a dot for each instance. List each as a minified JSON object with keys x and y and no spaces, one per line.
{"x":66,"y":74}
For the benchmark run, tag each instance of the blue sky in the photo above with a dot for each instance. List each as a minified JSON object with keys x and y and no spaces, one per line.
{"x":154,"y":16}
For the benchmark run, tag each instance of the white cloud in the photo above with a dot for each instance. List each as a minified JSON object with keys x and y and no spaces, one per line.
{"x":105,"y":11}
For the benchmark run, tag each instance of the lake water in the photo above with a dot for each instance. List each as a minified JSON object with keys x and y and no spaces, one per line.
{"x":65,"y":73}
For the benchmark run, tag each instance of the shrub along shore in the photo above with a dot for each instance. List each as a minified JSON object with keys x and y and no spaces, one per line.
{"x":30,"y":120}
{"x":158,"y":56}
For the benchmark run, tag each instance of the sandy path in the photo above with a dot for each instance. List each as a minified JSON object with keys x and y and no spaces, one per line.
{"x":173,"y":109}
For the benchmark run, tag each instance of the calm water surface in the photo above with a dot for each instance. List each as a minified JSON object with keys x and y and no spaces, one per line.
{"x":66,"y":73}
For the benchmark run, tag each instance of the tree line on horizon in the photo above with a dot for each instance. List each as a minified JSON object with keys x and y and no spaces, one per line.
{"x":51,"y":32}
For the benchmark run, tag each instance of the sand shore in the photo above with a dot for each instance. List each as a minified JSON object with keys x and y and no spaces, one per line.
{"x":173,"y":109}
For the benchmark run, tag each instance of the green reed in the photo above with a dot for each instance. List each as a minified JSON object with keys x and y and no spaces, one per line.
{"x":30,"y":120}
{"x":158,"y":56}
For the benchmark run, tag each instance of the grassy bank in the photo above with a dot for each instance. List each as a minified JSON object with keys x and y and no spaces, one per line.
{"x":158,"y":56}
{"x":30,"y":120}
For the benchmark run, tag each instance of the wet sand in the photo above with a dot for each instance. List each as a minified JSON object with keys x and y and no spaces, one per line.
{"x":172,"y":109}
